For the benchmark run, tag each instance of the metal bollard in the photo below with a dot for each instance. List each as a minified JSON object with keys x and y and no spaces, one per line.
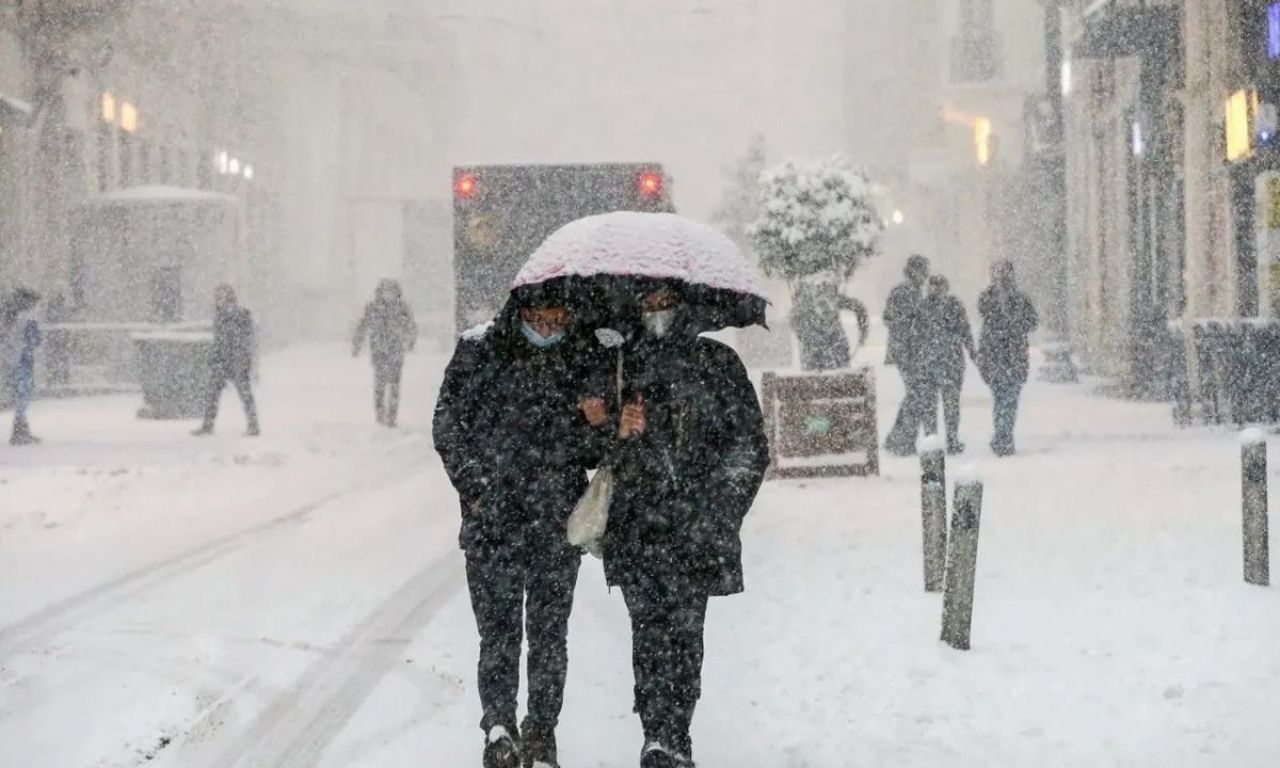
{"x":933,"y":511}
{"x":962,"y":561}
{"x":1253,"y":476}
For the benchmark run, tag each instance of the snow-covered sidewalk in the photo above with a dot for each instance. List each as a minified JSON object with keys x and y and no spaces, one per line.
{"x":299,"y":601}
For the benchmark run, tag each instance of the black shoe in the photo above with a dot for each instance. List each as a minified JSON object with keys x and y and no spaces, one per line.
{"x":538,"y":747}
{"x":501,"y":749}
{"x":1003,"y":449}
{"x":204,"y":431}
{"x":657,"y":756}
{"x":253,"y":431}
{"x":955,"y":447}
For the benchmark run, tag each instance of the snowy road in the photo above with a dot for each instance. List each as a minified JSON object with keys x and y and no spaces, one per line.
{"x":299,"y":601}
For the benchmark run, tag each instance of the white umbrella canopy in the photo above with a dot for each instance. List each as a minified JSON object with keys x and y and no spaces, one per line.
{"x":717,"y":281}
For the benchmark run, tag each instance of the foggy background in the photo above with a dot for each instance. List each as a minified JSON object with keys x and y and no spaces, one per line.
{"x":351,"y":115}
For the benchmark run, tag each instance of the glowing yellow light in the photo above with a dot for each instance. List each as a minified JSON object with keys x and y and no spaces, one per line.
{"x":1241,"y":108}
{"x":128,"y":117}
{"x":108,"y":107}
{"x":982,"y":140}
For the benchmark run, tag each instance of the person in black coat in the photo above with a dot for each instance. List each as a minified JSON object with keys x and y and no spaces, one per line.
{"x":904,"y":316}
{"x":389,"y":326}
{"x":230,"y":359}
{"x":693,"y":456}
{"x":948,"y":344}
{"x":513,"y":431}
{"x":1008,"y":320}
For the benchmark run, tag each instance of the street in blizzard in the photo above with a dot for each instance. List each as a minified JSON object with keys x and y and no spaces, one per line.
{"x":812,"y":384}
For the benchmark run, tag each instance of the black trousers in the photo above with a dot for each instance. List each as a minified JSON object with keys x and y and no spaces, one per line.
{"x":387,"y":373}
{"x":666,"y":655}
{"x":917,"y":410}
{"x":218,"y":381}
{"x":509,"y":590}
{"x":947,"y":390}
{"x":1005,"y":414}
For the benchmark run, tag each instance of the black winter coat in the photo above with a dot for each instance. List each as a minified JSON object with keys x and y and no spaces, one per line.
{"x":390,"y":328}
{"x":904,"y":317}
{"x":233,"y":342}
{"x":1008,"y":320}
{"x":513,"y":441}
{"x":948,"y":338}
{"x":685,"y":484}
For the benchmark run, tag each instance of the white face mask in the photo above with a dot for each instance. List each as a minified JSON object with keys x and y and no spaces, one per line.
{"x":659,"y":323}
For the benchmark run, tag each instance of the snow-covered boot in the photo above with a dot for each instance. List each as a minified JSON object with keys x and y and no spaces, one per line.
{"x":538,"y":747}
{"x":656,"y":755}
{"x":501,"y":748}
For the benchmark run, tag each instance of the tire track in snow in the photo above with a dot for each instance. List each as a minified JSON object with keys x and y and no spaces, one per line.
{"x":297,"y":728}
{"x":61,"y":616}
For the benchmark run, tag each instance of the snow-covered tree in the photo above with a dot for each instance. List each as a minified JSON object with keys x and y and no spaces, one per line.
{"x":815,"y":218}
{"x":817,"y":224}
{"x":740,"y":204}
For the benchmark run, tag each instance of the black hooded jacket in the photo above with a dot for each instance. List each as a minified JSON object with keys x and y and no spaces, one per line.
{"x":684,"y":486}
{"x":1008,"y":320}
{"x":512,"y":438}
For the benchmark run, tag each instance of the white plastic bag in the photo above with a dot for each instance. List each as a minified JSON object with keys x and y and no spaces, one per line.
{"x":590,"y":516}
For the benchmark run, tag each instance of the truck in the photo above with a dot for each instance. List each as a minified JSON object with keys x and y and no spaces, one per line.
{"x":502,"y":213}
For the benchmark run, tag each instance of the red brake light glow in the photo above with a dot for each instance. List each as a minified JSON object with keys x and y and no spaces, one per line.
{"x":464,"y":186}
{"x":650,"y":184}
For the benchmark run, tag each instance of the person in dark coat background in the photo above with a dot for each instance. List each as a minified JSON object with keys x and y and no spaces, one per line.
{"x":389,"y":326}
{"x":19,"y":339}
{"x":516,"y":437}
{"x":1008,"y":320}
{"x":948,"y":343}
{"x":230,"y":359}
{"x":693,"y":456}
{"x":904,"y":316}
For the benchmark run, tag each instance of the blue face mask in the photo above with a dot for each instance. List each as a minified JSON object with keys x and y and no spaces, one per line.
{"x":537,"y":339}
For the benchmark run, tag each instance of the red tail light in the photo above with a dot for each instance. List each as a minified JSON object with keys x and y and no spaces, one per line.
{"x":650,"y":184}
{"x":465,"y":186}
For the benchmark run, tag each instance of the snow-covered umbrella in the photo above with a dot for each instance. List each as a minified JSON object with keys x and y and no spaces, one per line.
{"x":608,"y":260}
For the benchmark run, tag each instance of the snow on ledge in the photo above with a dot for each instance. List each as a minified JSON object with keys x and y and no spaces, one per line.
{"x":1253,"y":436}
{"x":966,"y":474}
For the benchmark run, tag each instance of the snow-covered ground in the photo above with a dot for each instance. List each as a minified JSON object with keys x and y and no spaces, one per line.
{"x":298,"y":600}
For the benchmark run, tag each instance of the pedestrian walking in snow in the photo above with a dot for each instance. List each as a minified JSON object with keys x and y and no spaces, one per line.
{"x":19,"y":339}
{"x":694,"y":454}
{"x":948,"y":345}
{"x":230,"y":359}
{"x":516,"y":441}
{"x":1008,"y":320}
{"x":904,"y":316}
{"x":389,"y":326}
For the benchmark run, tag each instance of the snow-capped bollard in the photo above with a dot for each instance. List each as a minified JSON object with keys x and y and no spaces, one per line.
{"x":1253,"y":465}
{"x":933,"y":510}
{"x":962,"y":561}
